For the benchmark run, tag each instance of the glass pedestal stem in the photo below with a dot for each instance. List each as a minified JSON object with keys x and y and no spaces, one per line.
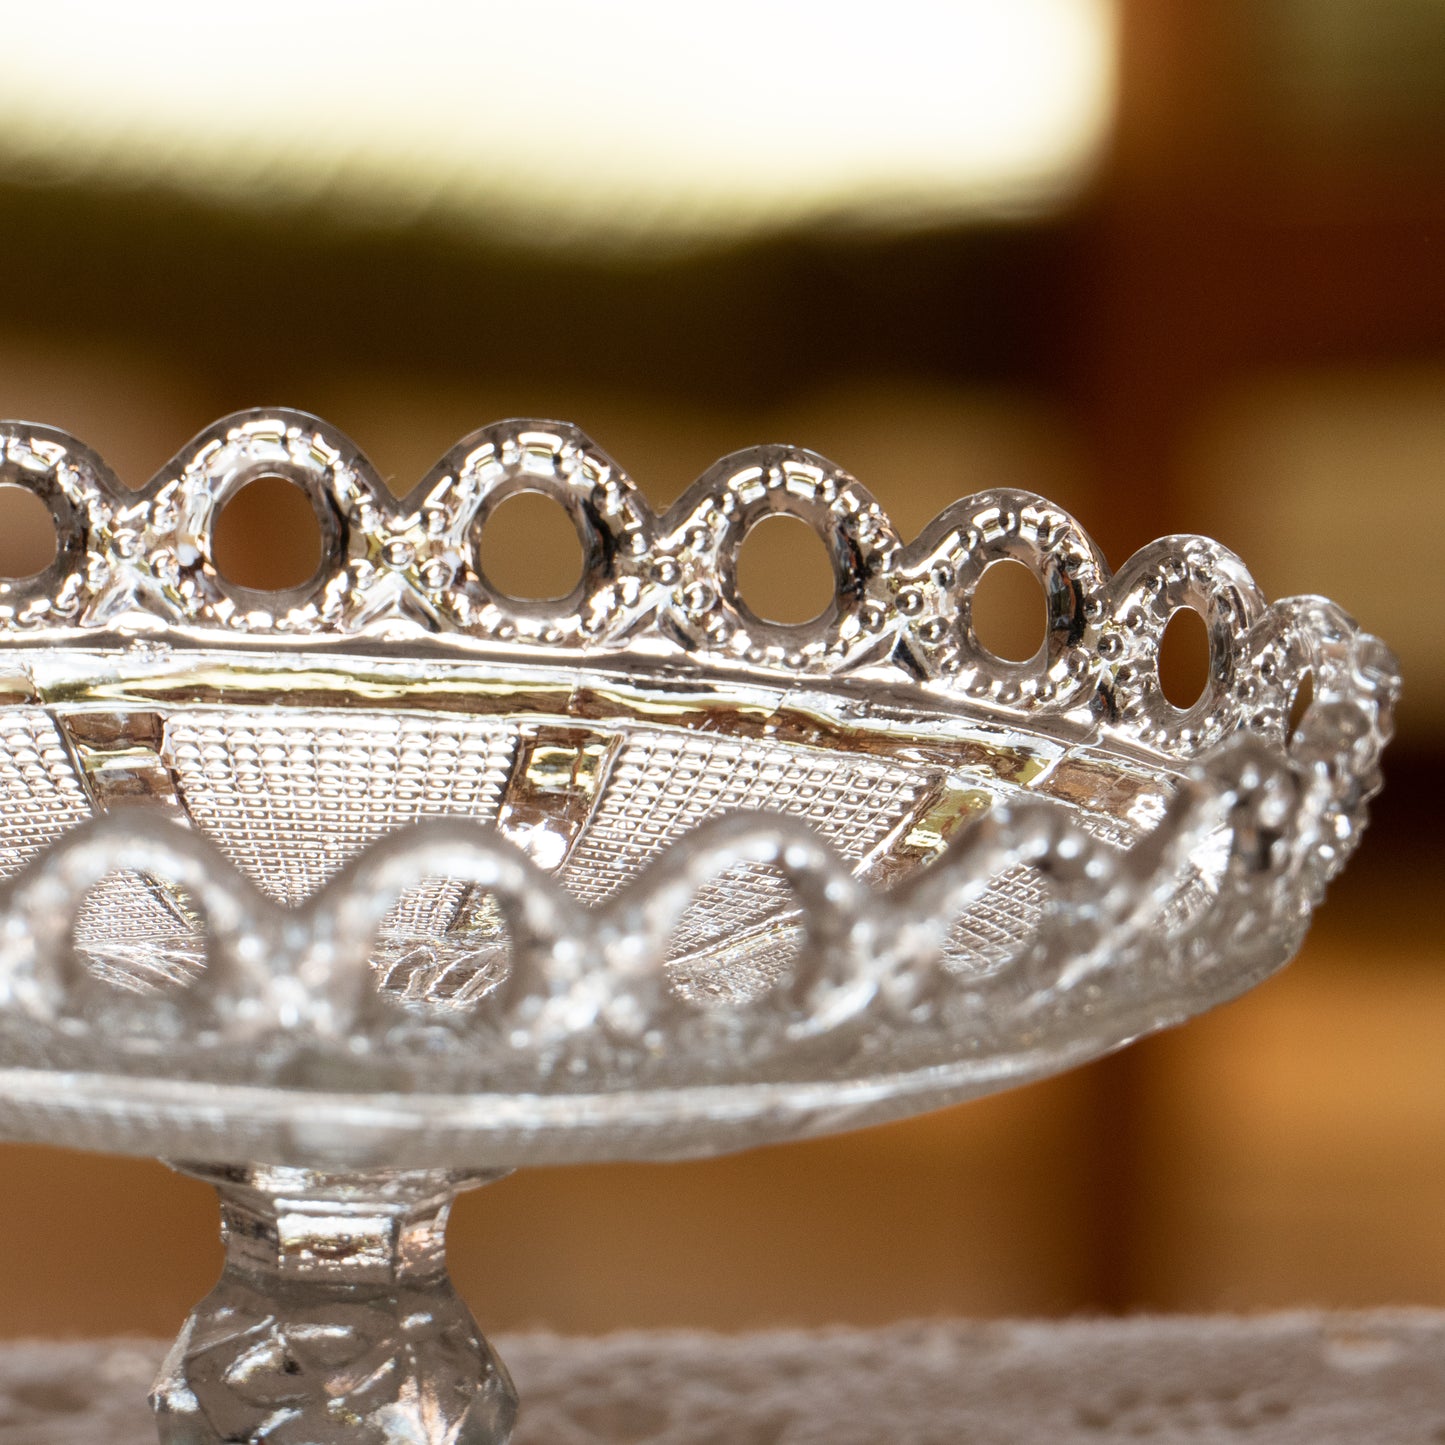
{"x":334,"y":1319}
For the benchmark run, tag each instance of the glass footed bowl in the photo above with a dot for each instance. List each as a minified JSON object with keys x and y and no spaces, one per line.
{"x":392,"y":869}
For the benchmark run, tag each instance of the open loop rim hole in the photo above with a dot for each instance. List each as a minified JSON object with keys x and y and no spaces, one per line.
{"x":30,"y":516}
{"x":1185,"y":659}
{"x":553,"y":524}
{"x":289,"y":529}
{"x":999,"y":612}
{"x":1301,"y":700}
{"x":764,"y":572}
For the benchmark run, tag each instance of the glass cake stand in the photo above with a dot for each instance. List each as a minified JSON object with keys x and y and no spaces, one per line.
{"x":351,"y":896}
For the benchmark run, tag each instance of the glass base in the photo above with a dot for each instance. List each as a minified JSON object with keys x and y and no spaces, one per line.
{"x":334,"y":1319}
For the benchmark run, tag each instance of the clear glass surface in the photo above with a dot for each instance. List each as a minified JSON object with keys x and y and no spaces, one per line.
{"x":393,"y":872}
{"x":951,"y":872}
{"x":333,"y":1319}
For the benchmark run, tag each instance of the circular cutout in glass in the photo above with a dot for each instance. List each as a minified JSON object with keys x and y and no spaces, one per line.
{"x":1304,"y":695}
{"x":784,"y":572}
{"x":1184,"y":658}
{"x":267,"y":537}
{"x":1010,"y":612}
{"x":28,"y":539}
{"x":530,"y":550}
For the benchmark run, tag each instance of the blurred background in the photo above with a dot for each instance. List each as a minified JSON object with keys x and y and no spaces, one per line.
{"x":1180,"y":266}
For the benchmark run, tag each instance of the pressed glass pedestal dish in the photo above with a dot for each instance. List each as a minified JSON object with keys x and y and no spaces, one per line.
{"x":352,"y":895}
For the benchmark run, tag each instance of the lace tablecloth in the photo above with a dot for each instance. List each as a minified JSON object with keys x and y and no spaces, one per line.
{"x":1298,"y":1379}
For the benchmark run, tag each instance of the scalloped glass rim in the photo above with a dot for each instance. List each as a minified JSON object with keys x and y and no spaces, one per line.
{"x":139,"y":562}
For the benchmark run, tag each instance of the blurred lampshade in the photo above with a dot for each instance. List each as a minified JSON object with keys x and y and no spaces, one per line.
{"x":566,"y":121}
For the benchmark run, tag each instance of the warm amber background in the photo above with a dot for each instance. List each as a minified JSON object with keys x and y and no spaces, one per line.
{"x":1238,"y":328}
